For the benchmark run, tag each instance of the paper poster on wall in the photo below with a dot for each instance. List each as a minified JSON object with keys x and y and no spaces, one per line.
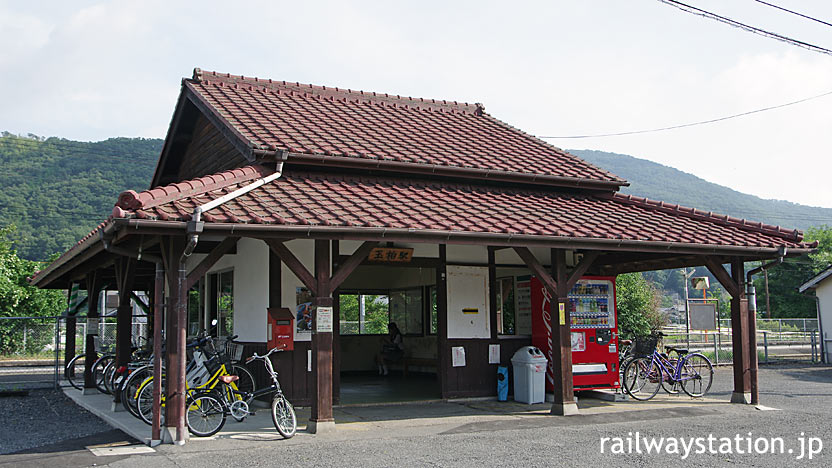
{"x":303,"y":314}
{"x":323,"y":320}
{"x":523,"y":307}
{"x":458,"y":356}
{"x":493,"y":354}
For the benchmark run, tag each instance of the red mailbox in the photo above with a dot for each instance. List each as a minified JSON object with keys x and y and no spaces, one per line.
{"x":280,"y":330}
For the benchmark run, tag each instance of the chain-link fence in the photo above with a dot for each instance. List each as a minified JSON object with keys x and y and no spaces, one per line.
{"x":778,"y":340}
{"x":32,"y":349}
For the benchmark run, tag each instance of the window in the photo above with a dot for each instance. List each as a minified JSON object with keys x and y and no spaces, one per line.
{"x":406,"y":310}
{"x":221,"y":307}
{"x":364,"y":314}
{"x":196,"y":304}
{"x":506,"y":323}
{"x":434,"y":314}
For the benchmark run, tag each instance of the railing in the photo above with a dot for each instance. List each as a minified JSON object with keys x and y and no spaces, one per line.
{"x":772,"y":346}
{"x":32,"y":348}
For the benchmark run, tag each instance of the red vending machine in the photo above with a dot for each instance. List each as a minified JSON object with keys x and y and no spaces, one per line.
{"x":594,"y":328}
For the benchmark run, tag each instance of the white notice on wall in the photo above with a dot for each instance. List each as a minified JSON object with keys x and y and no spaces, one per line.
{"x":458,"y":356}
{"x":493,"y":354}
{"x":323,"y":320}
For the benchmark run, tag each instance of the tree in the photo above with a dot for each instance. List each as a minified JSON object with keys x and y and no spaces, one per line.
{"x":638,"y":306}
{"x":20,"y":299}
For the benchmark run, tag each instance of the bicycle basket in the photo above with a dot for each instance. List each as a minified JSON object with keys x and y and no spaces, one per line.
{"x":234,"y":351}
{"x":645,"y":345}
{"x":213,"y":364}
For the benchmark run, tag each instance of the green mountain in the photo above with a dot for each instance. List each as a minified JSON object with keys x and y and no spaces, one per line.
{"x":56,"y":190}
{"x":659,"y":182}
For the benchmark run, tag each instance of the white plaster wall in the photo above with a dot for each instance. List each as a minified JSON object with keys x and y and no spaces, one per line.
{"x":251,"y":286}
{"x":304,"y":250}
{"x":466,"y":254}
{"x":468,"y":288}
{"x":824,"y":293}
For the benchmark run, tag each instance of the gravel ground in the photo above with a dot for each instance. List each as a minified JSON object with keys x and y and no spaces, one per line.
{"x":43,"y":417}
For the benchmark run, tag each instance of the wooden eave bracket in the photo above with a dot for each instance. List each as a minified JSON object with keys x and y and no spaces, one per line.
{"x":723,"y":277}
{"x":216,"y":253}
{"x":539,"y":270}
{"x":303,"y":274}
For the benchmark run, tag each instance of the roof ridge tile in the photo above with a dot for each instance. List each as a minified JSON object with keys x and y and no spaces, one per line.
{"x":722,"y":219}
{"x":132,"y":200}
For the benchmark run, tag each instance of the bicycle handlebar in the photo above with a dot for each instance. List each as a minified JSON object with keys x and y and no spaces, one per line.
{"x":255,"y":356}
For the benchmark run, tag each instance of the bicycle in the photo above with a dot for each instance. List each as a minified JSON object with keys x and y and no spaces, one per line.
{"x":202,"y":375}
{"x":283,"y":414}
{"x":644,"y":375}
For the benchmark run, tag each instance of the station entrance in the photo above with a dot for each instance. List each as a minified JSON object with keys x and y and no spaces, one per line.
{"x":372,"y":298}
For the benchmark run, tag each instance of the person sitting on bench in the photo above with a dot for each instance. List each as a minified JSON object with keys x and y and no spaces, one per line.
{"x":392,"y":349}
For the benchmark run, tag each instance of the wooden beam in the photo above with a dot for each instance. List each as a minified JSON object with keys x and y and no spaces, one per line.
{"x":492,"y":292}
{"x":538,"y":270}
{"x":580,"y":269}
{"x":723,"y":277}
{"x":295,"y":265}
{"x":349,"y":265}
{"x":226,"y":245}
{"x":125,"y":272}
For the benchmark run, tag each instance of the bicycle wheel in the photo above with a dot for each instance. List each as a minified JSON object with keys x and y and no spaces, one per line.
{"x":205,"y":414}
{"x":246,"y":383}
{"x":144,"y":403}
{"x":130,"y":388}
{"x":74,"y":371}
{"x":642,"y":378}
{"x":697,"y":375}
{"x":98,"y":372}
{"x":109,"y":376}
{"x":283,"y":416}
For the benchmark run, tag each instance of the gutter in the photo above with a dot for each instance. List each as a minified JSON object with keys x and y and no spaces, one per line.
{"x":346,"y":162}
{"x":195,"y":226}
{"x":451,"y":237}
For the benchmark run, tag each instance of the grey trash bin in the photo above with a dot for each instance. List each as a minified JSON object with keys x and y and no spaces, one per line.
{"x":529,"y":365}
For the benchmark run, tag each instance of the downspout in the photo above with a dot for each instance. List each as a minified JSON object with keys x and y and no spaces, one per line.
{"x":195,"y":225}
{"x":751,"y":295}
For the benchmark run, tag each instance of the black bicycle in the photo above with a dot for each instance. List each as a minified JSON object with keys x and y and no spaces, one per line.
{"x":207,"y":411}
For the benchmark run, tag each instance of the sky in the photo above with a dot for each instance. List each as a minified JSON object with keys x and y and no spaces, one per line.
{"x":90,"y":70}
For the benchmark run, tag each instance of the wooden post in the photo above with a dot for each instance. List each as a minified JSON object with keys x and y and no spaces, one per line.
{"x":125,"y":273}
{"x":322,"y":419}
{"x":71,"y":321}
{"x":93,"y":288}
{"x":175,"y":334}
{"x":158,"y":298}
{"x":740,"y":337}
{"x":492,"y":293}
{"x":442,"y":321}
{"x":564,"y":398}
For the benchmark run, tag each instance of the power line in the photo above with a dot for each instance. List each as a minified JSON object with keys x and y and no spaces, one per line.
{"x":793,"y":12}
{"x":691,"y":124}
{"x":762,"y":32}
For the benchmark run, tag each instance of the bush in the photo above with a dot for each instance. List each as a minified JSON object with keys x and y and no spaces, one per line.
{"x":638,"y":306}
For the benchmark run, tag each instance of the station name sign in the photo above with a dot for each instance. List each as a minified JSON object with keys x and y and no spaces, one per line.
{"x":390,"y":254}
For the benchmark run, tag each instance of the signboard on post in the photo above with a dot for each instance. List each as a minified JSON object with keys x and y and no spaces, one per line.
{"x":390,"y":254}
{"x":702,"y":315}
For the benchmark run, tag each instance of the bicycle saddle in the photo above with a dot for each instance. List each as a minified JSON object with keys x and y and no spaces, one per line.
{"x":678,"y":350}
{"x":229,"y":378}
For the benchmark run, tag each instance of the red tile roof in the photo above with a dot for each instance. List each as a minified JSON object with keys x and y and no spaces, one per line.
{"x":320,"y":120}
{"x":326,"y":199}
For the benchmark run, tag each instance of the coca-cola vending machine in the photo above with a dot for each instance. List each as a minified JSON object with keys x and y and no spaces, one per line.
{"x":593,"y":316}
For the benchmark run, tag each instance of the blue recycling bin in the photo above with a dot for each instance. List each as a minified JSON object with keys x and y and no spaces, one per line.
{"x":502,"y":383}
